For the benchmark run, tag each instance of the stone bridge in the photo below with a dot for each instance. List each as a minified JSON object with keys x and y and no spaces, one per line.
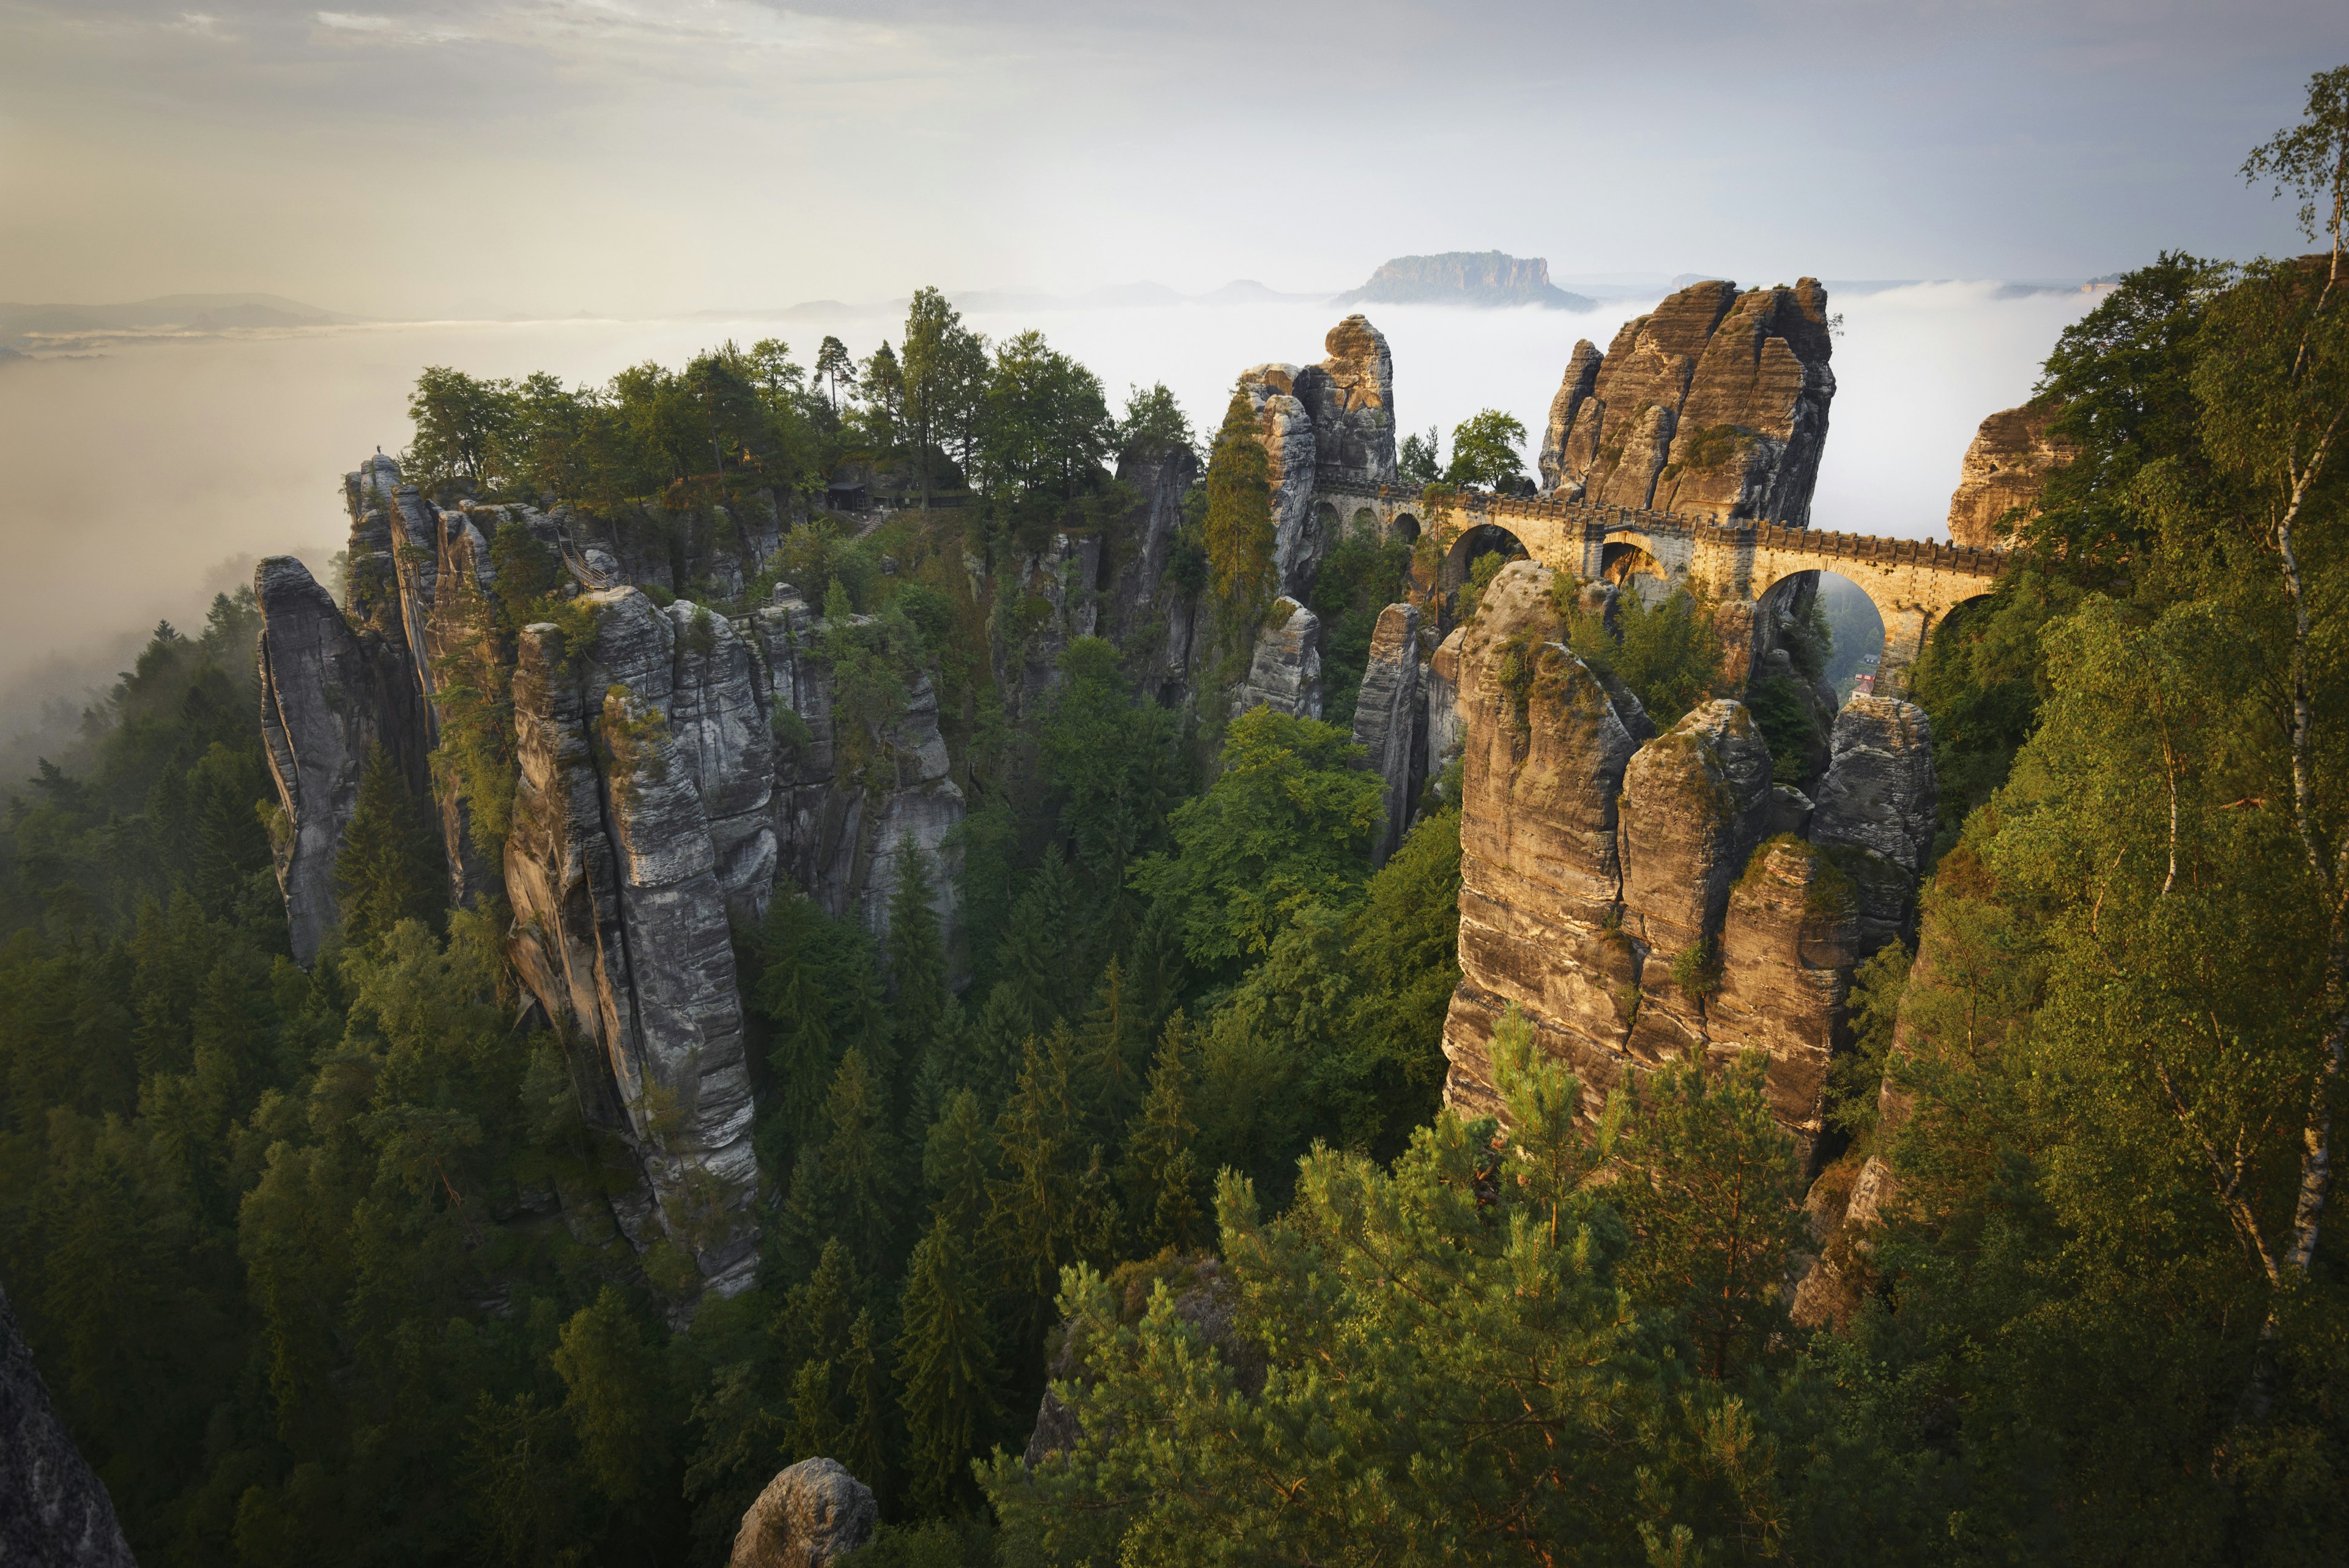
{"x":1747,"y":568}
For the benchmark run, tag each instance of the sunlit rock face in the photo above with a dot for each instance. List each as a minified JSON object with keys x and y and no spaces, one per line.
{"x":1715,"y":403}
{"x":1640,"y":898}
{"x":2004,"y":472}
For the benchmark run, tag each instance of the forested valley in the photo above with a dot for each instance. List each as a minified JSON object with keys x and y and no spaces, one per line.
{"x":1126,"y":1223}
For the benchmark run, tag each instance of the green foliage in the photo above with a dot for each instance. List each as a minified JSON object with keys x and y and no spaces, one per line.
{"x":1485,"y":451}
{"x":1152,"y":420}
{"x":1361,"y":575}
{"x":1419,"y":463}
{"x":1114,"y":762}
{"x":1497,"y":1386}
{"x":1669,"y":656}
{"x":1237,"y":530}
{"x":390,"y":868}
{"x":948,"y":1368}
{"x":1287,"y":823}
{"x":1786,"y":722}
{"x":1043,"y":429}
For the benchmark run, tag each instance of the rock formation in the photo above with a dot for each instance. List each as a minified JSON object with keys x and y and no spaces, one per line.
{"x":1327,"y":423}
{"x":1716,"y":401}
{"x":1465,"y":277}
{"x":674,"y":765}
{"x":2006,"y":468}
{"x":1879,"y":803}
{"x":1639,"y":900}
{"x":1285,"y":673}
{"x":620,"y":875}
{"x":1390,"y":715}
{"x":810,"y":1516}
{"x":325,"y":693}
{"x":54,"y":1511}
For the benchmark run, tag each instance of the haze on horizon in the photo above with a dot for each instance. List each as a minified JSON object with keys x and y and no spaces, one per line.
{"x":642,"y":162}
{"x":433,"y":158}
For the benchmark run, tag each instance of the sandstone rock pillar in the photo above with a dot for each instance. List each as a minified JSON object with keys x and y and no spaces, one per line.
{"x":1388,"y":717}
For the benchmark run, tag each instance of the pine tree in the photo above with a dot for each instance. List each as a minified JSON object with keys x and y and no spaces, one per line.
{"x":864,"y":1445}
{"x":1106,"y":1051}
{"x":1038,"y":958}
{"x":1033,"y":1207}
{"x":947,"y":1369}
{"x":388,"y":870}
{"x":1160,"y":1174}
{"x":956,"y":1160}
{"x":917,"y":970}
{"x":859,"y":1169}
{"x":1240,"y":513}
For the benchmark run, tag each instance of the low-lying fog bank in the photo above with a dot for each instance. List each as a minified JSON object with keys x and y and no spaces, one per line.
{"x":141,"y":479}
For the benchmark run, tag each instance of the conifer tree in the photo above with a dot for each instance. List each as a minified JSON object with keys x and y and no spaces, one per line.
{"x":1160,"y":1174}
{"x":1106,"y":1051}
{"x":946,"y":1368}
{"x":1240,"y":513}
{"x":917,"y":965}
{"x":388,"y":869}
{"x":956,"y":1161}
{"x":859,"y":1172}
{"x":864,"y":1445}
{"x":1037,"y":947}
{"x":1033,"y":1206}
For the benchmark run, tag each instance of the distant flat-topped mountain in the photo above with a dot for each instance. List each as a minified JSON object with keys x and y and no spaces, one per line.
{"x":1464,"y":277}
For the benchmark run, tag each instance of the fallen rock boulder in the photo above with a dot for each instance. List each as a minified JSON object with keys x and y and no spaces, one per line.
{"x":810,"y":1515}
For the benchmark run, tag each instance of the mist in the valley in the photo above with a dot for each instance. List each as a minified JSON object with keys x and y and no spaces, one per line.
{"x":145,"y":477}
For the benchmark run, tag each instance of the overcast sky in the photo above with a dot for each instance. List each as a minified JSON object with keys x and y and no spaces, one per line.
{"x":629,"y":157}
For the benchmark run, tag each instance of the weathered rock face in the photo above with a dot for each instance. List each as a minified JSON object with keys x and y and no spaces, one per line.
{"x":1787,"y":947}
{"x":1880,"y":800}
{"x":1716,"y":401}
{"x":1160,"y":477}
{"x":1541,"y":878}
{"x":1350,"y":397}
{"x":54,"y":1511}
{"x":810,"y":1515}
{"x":323,"y":704}
{"x":1329,"y":422}
{"x":2006,"y":468}
{"x":620,"y":906}
{"x":1065,"y":580}
{"x":1388,"y":715}
{"x":1629,"y":898}
{"x":1284,"y":674}
{"x":673,"y":767}
{"x":1573,"y":390}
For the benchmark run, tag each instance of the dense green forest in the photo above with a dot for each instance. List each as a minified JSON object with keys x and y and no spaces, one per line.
{"x":292,"y":1251}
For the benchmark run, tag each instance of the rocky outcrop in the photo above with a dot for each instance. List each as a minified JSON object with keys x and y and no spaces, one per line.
{"x":1573,"y":389}
{"x":620,"y":896}
{"x":54,"y":1511}
{"x":1160,"y":476}
{"x":1332,"y":422}
{"x":1487,"y":278}
{"x":1716,"y":401}
{"x":325,"y":697}
{"x":1639,"y":901}
{"x":1540,"y":872}
{"x":1284,"y":668}
{"x":1285,"y":672}
{"x":1880,"y":805}
{"x":810,"y":1516}
{"x":849,"y":804}
{"x":1788,"y":944}
{"x":1388,"y":715}
{"x":1350,"y":397}
{"x":2006,"y":469}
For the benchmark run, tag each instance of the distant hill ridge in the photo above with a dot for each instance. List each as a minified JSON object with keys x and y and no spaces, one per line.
{"x":1465,"y":277}
{"x":202,"y":312}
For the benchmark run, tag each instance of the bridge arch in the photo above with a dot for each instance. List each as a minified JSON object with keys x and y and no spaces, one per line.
{"x":1479,"y":540}
{"x":1852,"y":617}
